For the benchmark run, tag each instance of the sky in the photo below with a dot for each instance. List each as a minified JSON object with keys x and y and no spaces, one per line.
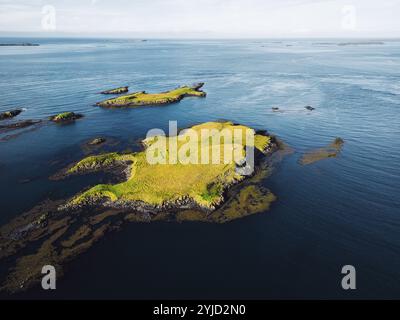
{"x":203,"y":18}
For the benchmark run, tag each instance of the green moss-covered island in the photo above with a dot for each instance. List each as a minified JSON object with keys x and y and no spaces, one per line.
{"x":65,"y":117}
{"x":116,"y":90}
{"x":165,"y":185}
{"x":143,"y":98}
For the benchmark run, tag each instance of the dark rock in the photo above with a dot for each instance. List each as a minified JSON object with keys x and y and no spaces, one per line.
{"x":197,"y":86}
{"x":116,"y":90}
{"x":10,"y":114}
{"x":96,"y":141}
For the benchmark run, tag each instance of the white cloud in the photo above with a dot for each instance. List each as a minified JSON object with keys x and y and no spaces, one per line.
{"x":232,"y":18}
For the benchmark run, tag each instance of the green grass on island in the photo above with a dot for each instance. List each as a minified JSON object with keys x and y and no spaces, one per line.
{"x":143,"y":98}
{"x":158,"y":184}
{"x":65,"y":116}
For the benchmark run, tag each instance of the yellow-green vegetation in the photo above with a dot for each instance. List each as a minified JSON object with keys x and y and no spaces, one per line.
{"x":173,"y":182}
{"x":116,"y":90}
{"x":65,"y":116}
{"x":100,"y":161}
{"x":142,"y":98}
{"x":251,"y":199}
{"x":331,"y":151}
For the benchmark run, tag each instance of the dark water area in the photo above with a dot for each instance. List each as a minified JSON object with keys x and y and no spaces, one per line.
{"x":339,"y":211}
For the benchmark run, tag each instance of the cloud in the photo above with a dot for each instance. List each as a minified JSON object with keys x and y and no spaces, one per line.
{"x":232,"y":18}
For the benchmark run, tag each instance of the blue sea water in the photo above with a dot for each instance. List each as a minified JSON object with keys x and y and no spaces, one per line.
{"x":336,"y":212}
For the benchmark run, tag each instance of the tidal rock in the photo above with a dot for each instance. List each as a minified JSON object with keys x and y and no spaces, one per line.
{"x":96,"y":141}
{"x":10,"y":114}
{"x":18,"y":125}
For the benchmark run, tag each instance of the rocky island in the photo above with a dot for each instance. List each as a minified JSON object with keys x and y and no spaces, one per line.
{"x":65,"y":117}
{"x":116,"y":90}
{"x":156,"y":187}
{"x":143,"y":98}
{"x":330,"y":151}
{"x":57,"y":231}
{"x":10,"y":114}
{"x":96,"y":141}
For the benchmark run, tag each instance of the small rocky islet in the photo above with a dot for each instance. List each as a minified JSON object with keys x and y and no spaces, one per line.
{"x":10,"y":114}
{"x":116,"y":90}
{"x":97,"y":141}
{"x":65,"y":117}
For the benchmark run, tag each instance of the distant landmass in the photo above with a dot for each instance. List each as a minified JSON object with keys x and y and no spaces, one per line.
{"x":19,"y":45}
{"x":350,"y":43}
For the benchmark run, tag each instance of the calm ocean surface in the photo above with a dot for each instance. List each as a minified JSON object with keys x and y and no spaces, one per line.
{"x":332,"y":213}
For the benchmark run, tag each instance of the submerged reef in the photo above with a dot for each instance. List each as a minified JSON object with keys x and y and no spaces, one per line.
{"x":330,"y":151}
{"x":18,"y":128}
{"x":18,"y":125}
{"x":143,"y":98}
